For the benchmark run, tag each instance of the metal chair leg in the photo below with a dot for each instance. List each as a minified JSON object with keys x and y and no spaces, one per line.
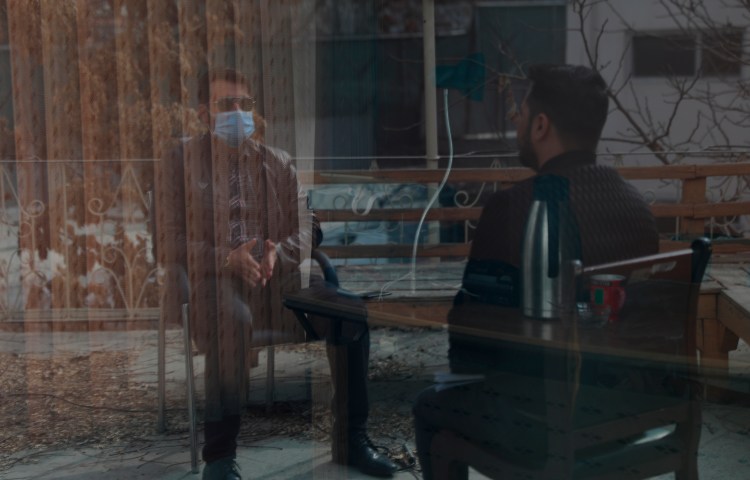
{"x":190,"y":389}
{"x":161,"y":347}
{"x":270,"y":366}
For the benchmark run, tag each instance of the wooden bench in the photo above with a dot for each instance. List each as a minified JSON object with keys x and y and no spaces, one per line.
{"x":690,"y":214}
{"x":724,"y":319}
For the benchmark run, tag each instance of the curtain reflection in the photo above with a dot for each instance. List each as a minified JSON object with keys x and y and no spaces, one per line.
{"x":93,"y":93}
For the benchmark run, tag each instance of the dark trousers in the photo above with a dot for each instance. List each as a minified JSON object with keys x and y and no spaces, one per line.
{"x":350,"y":404}
{"x":221,"y":438}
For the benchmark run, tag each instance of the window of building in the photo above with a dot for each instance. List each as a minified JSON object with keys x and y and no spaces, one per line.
{"x":659,"y":55}
{"x":715,"y":53}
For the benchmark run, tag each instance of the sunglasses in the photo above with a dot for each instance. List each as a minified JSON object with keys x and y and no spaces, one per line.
{"x":226,"y":104}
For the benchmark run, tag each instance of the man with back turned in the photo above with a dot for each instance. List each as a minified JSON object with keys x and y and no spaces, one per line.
{"x":558,"y":123}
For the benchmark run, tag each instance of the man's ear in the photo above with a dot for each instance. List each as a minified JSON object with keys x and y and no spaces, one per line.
{"x":203,"y":114}
{"x":540,"y":127}
{"x":260,"y":127}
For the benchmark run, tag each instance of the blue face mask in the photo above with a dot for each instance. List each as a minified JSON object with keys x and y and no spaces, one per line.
{"x":234,"y":127}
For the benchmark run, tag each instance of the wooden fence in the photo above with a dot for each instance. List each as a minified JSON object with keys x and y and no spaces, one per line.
{"x":122,"y":273}
{"x":691,"y":212}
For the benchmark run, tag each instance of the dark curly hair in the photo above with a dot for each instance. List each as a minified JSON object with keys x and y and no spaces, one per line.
{"x":574,"y":98}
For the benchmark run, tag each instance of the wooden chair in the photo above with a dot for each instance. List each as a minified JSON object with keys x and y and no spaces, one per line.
{"x":601,"y":432}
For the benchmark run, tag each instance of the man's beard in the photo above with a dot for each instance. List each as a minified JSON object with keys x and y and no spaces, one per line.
{"x":526,"y":154}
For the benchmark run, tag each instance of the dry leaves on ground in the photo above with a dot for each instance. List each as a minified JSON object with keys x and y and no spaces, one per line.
{"x":71,"y":399}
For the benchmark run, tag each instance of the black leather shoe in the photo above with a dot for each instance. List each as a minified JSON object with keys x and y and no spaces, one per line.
{"x":222,"y":469}
{"x":364,"y":456}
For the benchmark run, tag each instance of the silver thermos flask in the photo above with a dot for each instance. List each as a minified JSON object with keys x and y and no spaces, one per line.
{"x":550,"y":243}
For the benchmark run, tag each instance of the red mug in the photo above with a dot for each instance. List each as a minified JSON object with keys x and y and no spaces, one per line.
{"x":607,"y":295}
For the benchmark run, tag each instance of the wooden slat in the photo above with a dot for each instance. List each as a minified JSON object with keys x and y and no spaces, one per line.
{"x":729,"y":247}
{"x":722,"y":169}
{"x":24,"y":28}
{"x":409,"y":175}
{"x":396,"y":251}
{"x":101,"y":150}
{"x":134,"y":106}
{"x":693,"y":192}
{"x":707,"y":304}
{"x":63,"y":118}
{"x":401,"y":214}
{"x":66,"y":200}
{"x":278,"y":72}
{"x":164,"y":67}
{"x":100,"y":142}
{"x":659,"y":172}
{"x":24,"y":31}
{"x":283,"y":106}
{"x":462,"y":249}
{"x":412,"y":312}
{"x":513,"y":174}
{"x":701,"y":210}
{"x":728,"y":209}
{"x":733,"y":311}
{"x":660,"y":210}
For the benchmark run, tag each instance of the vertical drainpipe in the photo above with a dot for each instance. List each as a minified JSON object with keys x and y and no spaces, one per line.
{"x":430,"y":105}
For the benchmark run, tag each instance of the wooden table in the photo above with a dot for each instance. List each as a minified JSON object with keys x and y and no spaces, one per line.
{"x":493,"y":322}
{"x":637,"y":337}
{"x":723,"y":318}
{"x":723,"y":309}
